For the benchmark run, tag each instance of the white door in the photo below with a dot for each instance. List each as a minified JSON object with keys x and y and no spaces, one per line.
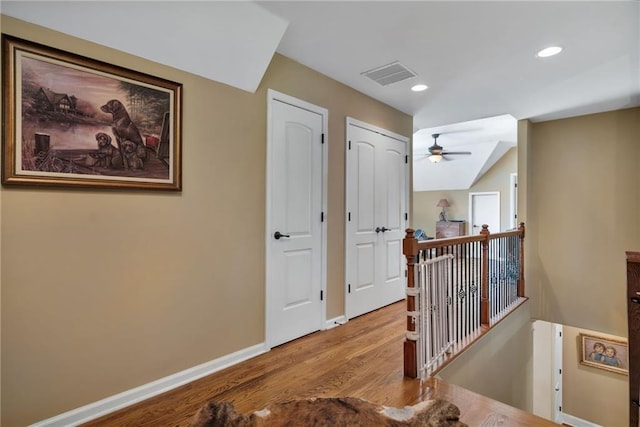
{"x":295,"y":214}
{"x":484,"y":208}
{"x":376,"y":217}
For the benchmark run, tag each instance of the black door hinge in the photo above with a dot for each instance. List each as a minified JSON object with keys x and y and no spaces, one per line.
{"x":406,"y":216}
{"x":349,"y":145}
{"x":406,"y":159}
{"x":349,"y":216}
{"x":321,"y":295}
{"x":321,"y":216}
{"x":349,"y":287}
{"x":322,"y":139}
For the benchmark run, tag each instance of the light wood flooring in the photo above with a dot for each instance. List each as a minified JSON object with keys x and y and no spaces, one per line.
{"x":362,"y":358}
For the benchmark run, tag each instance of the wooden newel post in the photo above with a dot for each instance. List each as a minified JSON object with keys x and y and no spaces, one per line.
{"x":521,"y":289}
{"x":410,"y":251}
{"x":484,"y":288}
{"x":633,"y":317}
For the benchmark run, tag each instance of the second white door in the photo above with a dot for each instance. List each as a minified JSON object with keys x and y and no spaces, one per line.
{"x":484,"y":208}
{"x":376,"y":217}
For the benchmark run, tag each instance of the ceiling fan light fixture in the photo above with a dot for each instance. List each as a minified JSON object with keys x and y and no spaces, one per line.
{"x":419,"y":88}
{"x":435,"y":158}
{"x":549,"y":51}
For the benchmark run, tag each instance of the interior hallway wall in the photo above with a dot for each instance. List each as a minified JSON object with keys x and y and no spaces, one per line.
{"x":104,"y":291}
{"x":583,"y":212}
{"x":500,"y":364}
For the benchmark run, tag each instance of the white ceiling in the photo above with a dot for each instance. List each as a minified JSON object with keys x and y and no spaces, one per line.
{"x":477,"y":57}
{"x":230,"y":42}
{"x":479,"y":60}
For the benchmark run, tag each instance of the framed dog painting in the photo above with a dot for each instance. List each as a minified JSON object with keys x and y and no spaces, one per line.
{"x":72,"y":121}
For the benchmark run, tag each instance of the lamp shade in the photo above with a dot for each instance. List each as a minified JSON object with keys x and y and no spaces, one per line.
{"x":443,"y":203}
{"x":435,"y":158}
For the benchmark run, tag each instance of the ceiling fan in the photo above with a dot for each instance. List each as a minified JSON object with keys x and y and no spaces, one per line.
{"x":437,"y":152}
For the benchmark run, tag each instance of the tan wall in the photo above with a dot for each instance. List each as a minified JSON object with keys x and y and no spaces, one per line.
{"x":426,"y":213}
{"x":584,"y":199}
{"x":591,"y":394}
{"x":500,"y":364}
{"x":524,"y":201}
{"x":103,"y":291}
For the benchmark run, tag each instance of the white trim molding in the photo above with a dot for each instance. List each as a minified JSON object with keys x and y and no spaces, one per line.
{"x":127,"y":398}
{"x":576,"y":422}
{"x":336,"y":321}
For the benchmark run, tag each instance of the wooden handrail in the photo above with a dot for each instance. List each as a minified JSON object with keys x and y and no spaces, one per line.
{"x":633,"y":315}
{"x":411,"y":249}
{"x":450,"y":241}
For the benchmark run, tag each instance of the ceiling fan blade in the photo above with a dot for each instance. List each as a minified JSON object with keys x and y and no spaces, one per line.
{"x":446,"y":153}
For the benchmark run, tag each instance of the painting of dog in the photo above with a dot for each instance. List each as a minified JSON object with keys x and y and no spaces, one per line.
{"x":108,"y":156}
{"x":131,"y":158}
{"x":124,"y":129}
{"x":78,"y":122}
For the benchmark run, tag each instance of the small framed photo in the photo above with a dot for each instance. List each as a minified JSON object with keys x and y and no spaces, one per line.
{"x":72,"y":121}
{"x":605,"y":353}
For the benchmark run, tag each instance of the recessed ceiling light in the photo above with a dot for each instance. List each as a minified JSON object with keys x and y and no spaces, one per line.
{"x":419,"y":88}
{"x":549,"y":51}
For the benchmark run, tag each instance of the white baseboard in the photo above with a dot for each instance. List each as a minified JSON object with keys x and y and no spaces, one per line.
{"x":575,"y":421}
{"x":121,"y":400}
{"x":336,"y":321}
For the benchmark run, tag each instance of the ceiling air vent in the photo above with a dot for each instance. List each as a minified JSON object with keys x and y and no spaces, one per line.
{"x":390,"y":73}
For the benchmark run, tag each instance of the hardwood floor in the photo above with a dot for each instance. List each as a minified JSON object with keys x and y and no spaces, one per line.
{"x":362,"y":358}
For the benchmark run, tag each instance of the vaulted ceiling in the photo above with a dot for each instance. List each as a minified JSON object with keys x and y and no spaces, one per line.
{"x":477,"y":57}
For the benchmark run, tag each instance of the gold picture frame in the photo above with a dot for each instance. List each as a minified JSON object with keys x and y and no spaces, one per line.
{"x":72,"y":121}
{"x":604,"y":353}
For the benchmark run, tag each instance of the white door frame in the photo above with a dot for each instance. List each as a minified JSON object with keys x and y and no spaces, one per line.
{"x":483,"y":193}
{"x":274,"y":96}
{"x":547,"y":370}
{"x":513,"y":201}
{"x":348,"y":123}
{"x":556,"y":375}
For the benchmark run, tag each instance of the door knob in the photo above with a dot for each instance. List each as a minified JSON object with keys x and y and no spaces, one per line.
{"x":383,"y":229}
{"x":378,"y":229}
{"x":277,"y":235}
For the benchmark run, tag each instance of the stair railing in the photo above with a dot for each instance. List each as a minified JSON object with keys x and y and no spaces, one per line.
{"x":482,"y":281}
